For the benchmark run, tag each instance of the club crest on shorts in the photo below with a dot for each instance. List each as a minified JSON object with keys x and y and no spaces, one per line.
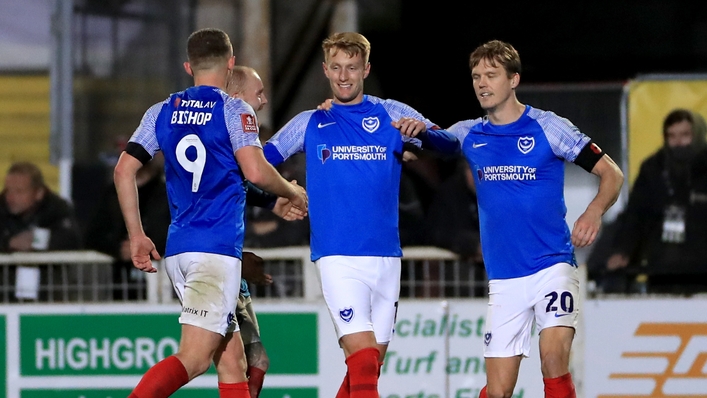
{"x":526,"y":144}
{"x":346,"y":314}
{"x":487,"y":338}
{"x":229,"y":318}
{"x":370,"y":124}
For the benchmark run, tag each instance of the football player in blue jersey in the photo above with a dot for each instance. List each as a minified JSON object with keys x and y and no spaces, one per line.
{"x":353,"y":166}
{"x":208,"y":140}
{"x":517,"y":154}
{"x":245,"y":83}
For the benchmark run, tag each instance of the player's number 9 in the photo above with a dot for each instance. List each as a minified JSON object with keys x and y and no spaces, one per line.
{"x":196,"y":166}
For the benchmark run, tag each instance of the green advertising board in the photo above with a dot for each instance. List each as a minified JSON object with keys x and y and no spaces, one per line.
{"x":120,"y":344}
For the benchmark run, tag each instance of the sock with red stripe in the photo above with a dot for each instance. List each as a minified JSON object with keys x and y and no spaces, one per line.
{"x":233,"y":390}
{"x":256,"y":377}
{"x":560,"y":387}
{"x":161,"y":380}
{"x":363,"y":373}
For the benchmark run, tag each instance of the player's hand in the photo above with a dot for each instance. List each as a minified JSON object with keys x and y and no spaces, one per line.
{"x":253,"y":269}
{"x":617,"y":261}
{"x":586,"y":228}
{"x":299,"y":198}
{"x":410,"y":127}
{"x":326,"y":105}
{"x":141,"y":248}
{"x":285,"y":210}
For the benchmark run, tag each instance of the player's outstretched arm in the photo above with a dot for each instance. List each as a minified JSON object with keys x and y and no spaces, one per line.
{"x":257,"y":170}
{"x":611,"y":178}
{"x":141,"y":247}
{"x":281,"y":207}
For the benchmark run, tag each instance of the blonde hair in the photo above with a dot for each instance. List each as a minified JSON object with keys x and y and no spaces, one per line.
{"x":351,"y":43}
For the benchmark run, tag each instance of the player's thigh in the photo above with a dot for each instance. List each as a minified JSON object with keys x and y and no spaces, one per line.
{"x":502,"y":374}
{"x":209,"y":290}
{"x":347,"y":285}
{"x":246,"y":321}
{"x":509,"y":319}
{"x":197,"y":347}
{"x":230,"y":360}
{"x":556,"y":297}
{"x":386,"y":293}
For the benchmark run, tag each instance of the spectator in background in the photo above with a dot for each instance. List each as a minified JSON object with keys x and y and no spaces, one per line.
{"x":106,"y":232}
{"x":663,"y":235}
{"x":452,"y":220}
{"x":32,"y":217}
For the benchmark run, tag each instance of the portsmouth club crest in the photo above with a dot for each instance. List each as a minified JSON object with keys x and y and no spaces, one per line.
{"x":346,"y":314}
{"x":323,"y":153}
{"x":370,"y":124}
{"x":526,"y":144}
{"x":487,"y":338}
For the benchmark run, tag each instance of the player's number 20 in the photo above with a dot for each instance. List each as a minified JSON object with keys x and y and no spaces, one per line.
{"x":565,"y":300}
{"x":196,"y":166}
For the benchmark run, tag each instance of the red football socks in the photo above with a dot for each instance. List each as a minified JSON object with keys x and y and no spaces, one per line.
{"x":344,"y":389}
{"x":482,"y":394}
{"x":233,"y":390}
{"x":161,"y":380}
{"x":363,"y":373}
{"x":560,"y":387}
{"x":256,"y":377}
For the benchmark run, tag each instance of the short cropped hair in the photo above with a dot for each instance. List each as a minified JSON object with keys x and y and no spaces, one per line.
{"x":31,"y":170}
{"x":497,"y":52}
{"x":207,"y":48}
{"x":351,"y":43}
{"x":238,"y":78}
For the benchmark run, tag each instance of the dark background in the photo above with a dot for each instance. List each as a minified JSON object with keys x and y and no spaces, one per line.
{"x":420,"y":49}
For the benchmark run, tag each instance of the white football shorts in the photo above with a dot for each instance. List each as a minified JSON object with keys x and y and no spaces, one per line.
{"x":361,"y":293}
{"x":547,"y":298}
{"x":207,"y":285}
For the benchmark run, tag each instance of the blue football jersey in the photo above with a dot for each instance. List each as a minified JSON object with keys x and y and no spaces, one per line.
{"x":519,"y":171}
{"x":353,"y":165}
{"x":199,"y":130}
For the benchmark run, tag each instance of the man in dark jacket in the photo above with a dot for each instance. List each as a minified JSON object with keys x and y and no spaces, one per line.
{"x":663,"y":235}
{"x":32,"y":217}
{"x":106,"y":231}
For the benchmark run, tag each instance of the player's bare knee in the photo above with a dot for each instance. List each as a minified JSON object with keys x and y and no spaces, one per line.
{"x":498,"y":392}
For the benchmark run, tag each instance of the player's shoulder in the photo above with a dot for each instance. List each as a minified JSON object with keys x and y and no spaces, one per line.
{"x":237,"y":105}
{"x":550,"y":119}
{"x":466,"y":125}
{"x":387,"y":103}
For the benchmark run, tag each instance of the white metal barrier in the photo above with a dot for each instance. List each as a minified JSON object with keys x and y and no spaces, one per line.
{"x":61,"y":276}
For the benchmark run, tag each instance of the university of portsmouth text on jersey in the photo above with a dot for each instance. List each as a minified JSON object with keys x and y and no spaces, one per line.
{"x":358,"y":152}
{"x":509,"y":173}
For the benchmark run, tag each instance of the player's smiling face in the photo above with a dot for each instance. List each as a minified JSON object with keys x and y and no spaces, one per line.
{"x":492,"y":85}
{"x":346,"y":76}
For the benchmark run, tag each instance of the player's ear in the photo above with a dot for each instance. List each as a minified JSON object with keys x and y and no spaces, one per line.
{"x":187,"y":68}
{"x":515,"y":80}
{"x":231,"y":62}
{"x":366,"y":70}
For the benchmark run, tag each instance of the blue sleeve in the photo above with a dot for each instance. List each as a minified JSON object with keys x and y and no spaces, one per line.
{"x":272,"y":155}
{"x":441,"y":141}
